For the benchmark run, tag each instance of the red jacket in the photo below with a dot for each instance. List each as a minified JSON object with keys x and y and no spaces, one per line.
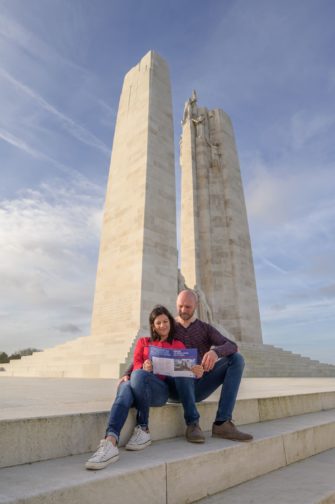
{"x":141,"y":352}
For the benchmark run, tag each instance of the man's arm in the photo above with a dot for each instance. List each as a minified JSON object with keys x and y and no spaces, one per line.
{"x":222,"y":345}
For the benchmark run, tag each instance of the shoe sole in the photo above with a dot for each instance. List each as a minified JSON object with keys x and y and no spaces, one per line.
{"x":137,"y":447}
{"x":95,"y":466}
{"x":232,"y":438}
{"x":198,"y":441}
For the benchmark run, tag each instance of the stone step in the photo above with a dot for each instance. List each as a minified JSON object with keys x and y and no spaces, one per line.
{"x":278,"y":356}
{"x":297,"y":369}
{"x":287,"y":372}
{"x":267,"y":360}
{"x":74,"y":369}
{"x":308,"y":482}
{"x":172,"y":471}
{"x":64,"y":359}
{"x":83,"y":357}
{"x":279,"y":360}
{"x":40,"y":437}
{"x":108,"y":367}
{"x":86,"y":350}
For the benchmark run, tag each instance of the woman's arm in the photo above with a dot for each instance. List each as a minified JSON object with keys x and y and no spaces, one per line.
{"x":138,"y":355}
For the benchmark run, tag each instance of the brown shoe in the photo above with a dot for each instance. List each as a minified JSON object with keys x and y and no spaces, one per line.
{"x":227,"y":430}
{"x":194,"y":434}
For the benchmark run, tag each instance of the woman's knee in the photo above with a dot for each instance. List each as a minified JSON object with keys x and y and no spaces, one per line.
{"x":138,"y":378}
{"x":124,"y":394}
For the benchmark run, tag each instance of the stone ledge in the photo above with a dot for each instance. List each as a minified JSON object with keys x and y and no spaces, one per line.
{"x":171,"y":471}
{"x":25,"y":440}
{"x":308,"y":482}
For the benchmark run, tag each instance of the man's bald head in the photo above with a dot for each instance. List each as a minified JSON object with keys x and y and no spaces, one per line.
{"x":187,"y":301}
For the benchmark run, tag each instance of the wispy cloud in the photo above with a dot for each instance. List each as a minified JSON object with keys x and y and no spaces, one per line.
{"x":20,"y":144}
{"x":305,"y":128}
{"x":18,"y":35}
{"x":273,"y":265}
{"x":67,"y":123}
{"x":299,"y":311}
{"x":11,"y":139}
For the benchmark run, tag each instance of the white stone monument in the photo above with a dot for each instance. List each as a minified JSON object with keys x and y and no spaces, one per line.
{"x":216,"y":257}
{"x":138,"y":251}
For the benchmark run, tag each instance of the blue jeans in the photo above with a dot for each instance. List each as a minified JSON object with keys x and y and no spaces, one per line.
{"x":143,"y":390}
{"x":227,"y":372}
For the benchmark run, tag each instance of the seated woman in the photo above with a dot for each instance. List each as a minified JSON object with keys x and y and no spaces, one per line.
{"x":144,"y":389}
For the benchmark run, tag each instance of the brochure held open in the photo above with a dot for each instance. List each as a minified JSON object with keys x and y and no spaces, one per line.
{"x":173,"y":362}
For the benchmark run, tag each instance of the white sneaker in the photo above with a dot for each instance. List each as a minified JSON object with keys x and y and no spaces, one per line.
{"x":139,"y":440}
{"x":106,"y":454}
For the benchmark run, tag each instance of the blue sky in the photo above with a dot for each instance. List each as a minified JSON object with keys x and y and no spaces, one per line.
{"x":270,"y":65}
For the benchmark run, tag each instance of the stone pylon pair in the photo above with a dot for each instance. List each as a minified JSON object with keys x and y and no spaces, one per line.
{"x":138,"y":254}
{"x":138,"y":263}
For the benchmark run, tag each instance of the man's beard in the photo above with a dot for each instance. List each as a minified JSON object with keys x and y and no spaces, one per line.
{"x":186,"y":316}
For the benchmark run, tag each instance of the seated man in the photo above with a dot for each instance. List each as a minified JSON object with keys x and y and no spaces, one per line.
{"x":223,"y":365}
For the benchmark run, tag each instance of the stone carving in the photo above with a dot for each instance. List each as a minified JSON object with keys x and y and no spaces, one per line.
{"x":190,"y":107}
{"x":204,"y":310}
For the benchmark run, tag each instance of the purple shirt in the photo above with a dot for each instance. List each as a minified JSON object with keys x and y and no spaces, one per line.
{"x":202,"y":336}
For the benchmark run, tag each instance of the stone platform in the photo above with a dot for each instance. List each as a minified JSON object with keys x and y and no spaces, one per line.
{"x":48,"y":426}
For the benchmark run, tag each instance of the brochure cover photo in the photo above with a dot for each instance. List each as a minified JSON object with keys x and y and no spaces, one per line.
{"x":173,"y":362}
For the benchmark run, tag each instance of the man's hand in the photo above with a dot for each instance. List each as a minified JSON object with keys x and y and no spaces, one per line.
{"x":209,"y":360}
{"x":122,"y":379}
{"x":197,"y":370}
{"x":147,"y":365}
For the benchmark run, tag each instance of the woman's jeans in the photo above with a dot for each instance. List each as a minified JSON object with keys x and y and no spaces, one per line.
{"x":227,"y":372}
{"x":143,"y":390}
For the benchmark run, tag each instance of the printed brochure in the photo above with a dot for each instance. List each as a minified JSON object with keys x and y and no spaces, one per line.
{"x":173,"y":362}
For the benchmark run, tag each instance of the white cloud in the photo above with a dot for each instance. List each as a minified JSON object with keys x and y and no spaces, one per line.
{"x":47,"y":263}
{"x":301,"y":313}
{"x":280,"y":194}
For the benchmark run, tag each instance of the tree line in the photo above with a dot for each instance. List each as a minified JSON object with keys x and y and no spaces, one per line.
{"x":5,"y":358}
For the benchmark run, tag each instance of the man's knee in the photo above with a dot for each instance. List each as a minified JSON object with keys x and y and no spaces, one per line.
{"x":237,"y":360}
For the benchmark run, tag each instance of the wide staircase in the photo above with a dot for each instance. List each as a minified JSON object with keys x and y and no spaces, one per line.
{"x":90,"y":357}
{"x":84,"y":357}
{"x":268,"y":360}
{"x":46,"y":437}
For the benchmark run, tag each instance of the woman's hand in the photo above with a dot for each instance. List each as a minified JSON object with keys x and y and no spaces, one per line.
{"x":122,"y":379}
{"x":147,"y":365}
{"x":197,"y":370}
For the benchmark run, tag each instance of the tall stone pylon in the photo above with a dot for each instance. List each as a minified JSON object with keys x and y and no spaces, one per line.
{"x":137,"y":265}
{"x":216,"y":256}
